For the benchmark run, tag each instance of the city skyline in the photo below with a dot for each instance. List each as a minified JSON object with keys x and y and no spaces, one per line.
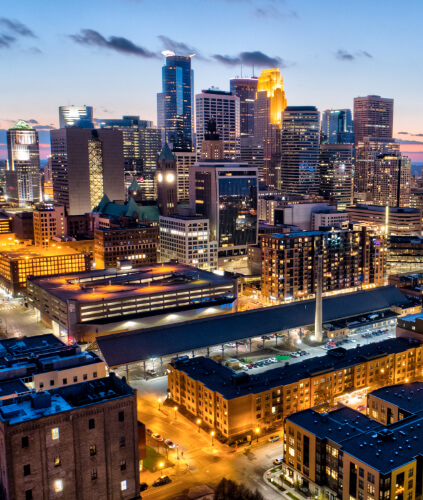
{"x":69,"y":56}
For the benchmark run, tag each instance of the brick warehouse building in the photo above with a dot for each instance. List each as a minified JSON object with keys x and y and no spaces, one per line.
{"x":237,"y":403}
{"x":79,"y":441}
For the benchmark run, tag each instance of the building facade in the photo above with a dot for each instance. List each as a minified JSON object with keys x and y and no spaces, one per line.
{"x":245,"y":89}
{"x":76,"y":116}
{"x":336,"y":173}
{"x":187,"y":240}
{"x":337,"y":126}
{"x":373,"y":117}
{"x":392,"y":180}
{"x":49,"y":223}
{"x":23,"y":177}
{"x":300,"y":150}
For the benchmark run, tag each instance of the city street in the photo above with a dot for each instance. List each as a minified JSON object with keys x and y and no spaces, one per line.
{"x":18,"y":320}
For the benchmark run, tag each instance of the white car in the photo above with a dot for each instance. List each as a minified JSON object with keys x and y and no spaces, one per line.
{"x":278,"y":461}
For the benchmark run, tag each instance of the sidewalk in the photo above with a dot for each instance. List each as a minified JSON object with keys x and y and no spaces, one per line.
{"x":289,"y":493}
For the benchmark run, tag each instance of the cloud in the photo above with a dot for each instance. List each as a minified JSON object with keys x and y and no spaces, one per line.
{"x":115,"y":43}
{"x":401,"y":141}
{"x":343,"y":55}
{"x":269,"y":11}
{"x":44,"y":127}
{"x":365,"y":54}
{"x":16,"y":27}
{"x":402,"y":133}
{"x":179,"y":47}
{"x":417,"y":135}
{"x":255,"y":58}
{"x":35,"y":50}
{"x":32,"y":121}
{"x":6,"y":41}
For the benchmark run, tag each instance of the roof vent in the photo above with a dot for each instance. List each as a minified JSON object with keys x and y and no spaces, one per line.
{"x":391,"y":461}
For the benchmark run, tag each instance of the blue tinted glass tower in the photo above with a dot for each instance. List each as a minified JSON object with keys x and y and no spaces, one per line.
{"x":337,"y":126}
{"x":175,"y":103}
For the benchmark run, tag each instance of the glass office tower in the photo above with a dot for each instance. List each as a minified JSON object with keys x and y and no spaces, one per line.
{"x":337,"y":126}
{"x":175,"y":104}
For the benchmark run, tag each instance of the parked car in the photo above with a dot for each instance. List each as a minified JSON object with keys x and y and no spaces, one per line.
{"x":162,"y":480}
{"x":294,"y":354}
{"x":274,"y":438}
{"x":361,"y":408}
{"x":278,"y":461}
{"x":230,"y":344}
{"x":152,"y":373}
{"x":273,"y":360}
{"x":148,"y":431}
{"x":303,"y":353}
{"x":260,"y":346}
{"x":169,"y":443}
{"x":157,"y":436}
{"x":143,"y":486}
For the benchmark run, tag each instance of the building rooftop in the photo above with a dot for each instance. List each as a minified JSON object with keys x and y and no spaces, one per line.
{"x":392,"y":210}
{"x":123,"y":348}
{"x":184,"y":217}
{"x":413,"y":317}
{"x":20,"y":252}
{"x":221,"y":378}
{"x":43,"y":404}
{"x":129,"y":209}
{"x":148,"y":280}
{"x":408,"y":397}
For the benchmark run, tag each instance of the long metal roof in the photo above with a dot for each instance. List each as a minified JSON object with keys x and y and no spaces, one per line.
{"x":138,"y":345}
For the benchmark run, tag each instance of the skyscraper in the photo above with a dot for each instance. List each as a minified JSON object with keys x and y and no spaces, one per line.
{"x":269,"y":105}
{"x":300,"y":149}
{"x":336,"y":173}
{"x":23,"y":177}
{"x":86,"y":164}
{"x":226,"y":194}
{"x":392,"y":177}
{"x":373,"y":117}
{"x":167,"y":188}
{"x":245,"y":89}
{"x":337,"y":126}
{"x":76,"y":116}
{"x":175,"y":104}
{"x":224,"y":107}
{"x":150,"y":147}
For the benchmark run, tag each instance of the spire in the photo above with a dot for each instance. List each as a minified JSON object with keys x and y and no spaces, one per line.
{"x":21,"y":125}
{"x":134,"y":186}
{"x":166,"y":153}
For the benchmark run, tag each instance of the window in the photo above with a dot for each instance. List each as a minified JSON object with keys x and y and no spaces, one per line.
{"x":123,"y":465}
{"x":410,"y":484}
{"x":75,"y":379}
{"x":85,"y":376}
{"x":25,"y":444}
{"x":94,"y":374}
{"x":57,"y":462}
{"x":93,"y":450}
{"x":51,"y":383}
{"x":65,"y":381}
{"x":123,"y":485}
{"x":91,"y":423}
{"x":28,"y":495}
{"x":121,"y":416}
{"x":121,"y":442}
{"x":41,"y":385}
{"x":27,"y":470}
{"x":360,"y":483}
{"x":410,"y":472}
{"x":370,"y":489}
{"x":361,"y":472}
{"x":93,"y":474}
{"x":55,"y":433}
{"x":58,"y":485}
{"x":371,"y":478}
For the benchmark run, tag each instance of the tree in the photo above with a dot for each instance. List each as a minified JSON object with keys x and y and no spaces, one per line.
{"x":229,"y":490}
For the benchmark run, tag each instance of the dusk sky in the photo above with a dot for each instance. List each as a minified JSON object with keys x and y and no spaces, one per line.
{"x":106,"y":53}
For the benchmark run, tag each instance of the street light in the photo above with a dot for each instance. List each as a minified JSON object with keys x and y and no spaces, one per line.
{"x":159,"y":400}
{"x":257,"y":432}
{"x":161,"y":465}
{"x":198,"y":423}
{"x":177,"y":452}
{"x":176,"y":409}
{"x":212,"y":436}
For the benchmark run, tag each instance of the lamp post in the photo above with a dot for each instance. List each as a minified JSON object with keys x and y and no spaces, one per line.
{"x":198,"y":423}
{"x":212,"y":436}
{"x":177,"y":452}
{"x":161,"y":465}
{"x":257,"y":432}
{"x":159,"y":401}
{"x":176,"y":409}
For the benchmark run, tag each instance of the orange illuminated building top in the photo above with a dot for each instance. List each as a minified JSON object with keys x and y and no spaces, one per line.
{"x":271,"y":81}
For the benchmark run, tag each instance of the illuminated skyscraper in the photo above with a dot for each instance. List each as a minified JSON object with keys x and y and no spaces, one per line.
{"x":373,"y":117}
{"x":23,"y":177}
{"x":76,"y":116}
{"x":336,"y":173}
{"x":175,"y":104}
{"x":86,"y":164}
{"x":245,"y":89}
{"x":268,"y":108}
{"x":300,"y":149}
{"x":337,"y":126}
{"x":224,"y":108}
{"x":167,"y":187}
{"x":392,"y":178}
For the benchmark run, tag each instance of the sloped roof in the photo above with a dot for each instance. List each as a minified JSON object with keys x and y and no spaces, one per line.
{"x":134,"y":186}
{"x":107,"y":207}
{"x":166,"y":153}
{"x":21,"y":125}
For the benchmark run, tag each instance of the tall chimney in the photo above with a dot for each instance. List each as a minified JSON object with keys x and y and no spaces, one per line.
{"x":318,"y":331}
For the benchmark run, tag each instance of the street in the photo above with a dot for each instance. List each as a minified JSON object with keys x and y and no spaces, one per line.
{"x":18,"y":320}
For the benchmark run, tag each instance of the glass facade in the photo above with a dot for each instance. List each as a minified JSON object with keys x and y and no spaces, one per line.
{"x":337,"y":126}
{"x":245,"y":89}
{"x":175,"y":102}
{"x":237,"y":209}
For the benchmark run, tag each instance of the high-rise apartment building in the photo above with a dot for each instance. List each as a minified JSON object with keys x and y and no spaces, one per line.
{"x":337,"y":126}
{"x":269,"y":105}
{"x":23,"y":177}
{"x":392,"y":179}
{"x":226,"y":194}
{"x":224,"y":108}
{"x":76,"y":116}
{"x":366,"y":152}
{"x":175,"y":104}
{"x":167,"y":185}
{"x":300,"y":149}
{"x":289,"y":261}
{"x":150,"y":147}
{"x":336,"y":173}
{"x":211,"y":146}
{"x":184,"y":161}
{"x":86,"y":164}
{"x":373,"y":117}
{"x":187,"y":240}
{"x":245,"y":89}
{"x":48,"y":223}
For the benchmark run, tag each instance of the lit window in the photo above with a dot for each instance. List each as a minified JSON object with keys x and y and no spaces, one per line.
{"x":123,"y":485}
{"x":58,"y":485}
{"x":55,"y":433}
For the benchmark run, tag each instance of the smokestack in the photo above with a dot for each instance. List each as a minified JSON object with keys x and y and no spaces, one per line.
{"x":318,"y":330}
